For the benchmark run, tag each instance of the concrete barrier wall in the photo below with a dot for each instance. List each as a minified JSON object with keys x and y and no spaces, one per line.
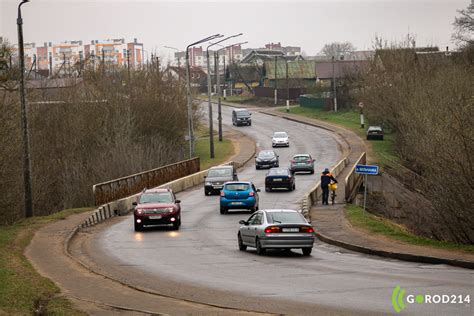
{"x":314,"y":195}
{"x":125,"y":205}
{"x":354,"y":180}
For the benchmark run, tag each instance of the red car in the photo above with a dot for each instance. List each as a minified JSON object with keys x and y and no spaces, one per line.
{"x":157,"y":207}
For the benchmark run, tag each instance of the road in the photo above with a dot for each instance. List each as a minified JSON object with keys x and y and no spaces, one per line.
{"x":201,"y":261}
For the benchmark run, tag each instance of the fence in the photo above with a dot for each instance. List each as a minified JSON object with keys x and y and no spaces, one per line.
{"x":119,"y":188}
{"x":282,"y":93}
{"x":354,"y":180}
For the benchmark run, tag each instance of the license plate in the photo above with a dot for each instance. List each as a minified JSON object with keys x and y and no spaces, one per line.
{"x":155,"y":217}
{"x":290,"y":230}
{"x":217,"y":186}
{"x":276,"y":180}
{"x":236,"y":203}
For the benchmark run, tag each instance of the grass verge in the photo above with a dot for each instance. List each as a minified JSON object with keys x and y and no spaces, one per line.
{"x":22,"y":289}
{"x":222,"y":150}
{"x":350,"y":119}
{"x":379,"y":225}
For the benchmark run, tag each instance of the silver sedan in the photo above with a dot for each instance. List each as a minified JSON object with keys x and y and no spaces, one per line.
{"x":276,"y":229}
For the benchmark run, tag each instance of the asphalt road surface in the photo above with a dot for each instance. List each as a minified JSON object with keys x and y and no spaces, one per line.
{"x":202,"y":262}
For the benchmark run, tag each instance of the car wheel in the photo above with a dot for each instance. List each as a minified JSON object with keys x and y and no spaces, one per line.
{"x":267,"y":189}
{"x":176,"y":225}
{"x":258,"y":245}
{"x":307,"y":251}
{"x":257,"y":167}
{"x":250,"y":124}
{"x":294,"y":186}
{"x":277,"y":165}
{"x":138,"y":227}
{"x":223,"y":210}
{"x":242,"y":247}
{"x":312,"y":171}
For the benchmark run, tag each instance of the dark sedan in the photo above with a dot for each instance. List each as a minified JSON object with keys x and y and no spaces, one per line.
{"x":266,"y":159}
{"x":375,"y":132}
{"x":278,"y":178}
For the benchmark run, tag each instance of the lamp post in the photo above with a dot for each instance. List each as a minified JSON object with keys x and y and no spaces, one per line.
{"x":276,"y":89}
{"x":219,"y":110}
{"x":209,"y":83}
{"x":188,"y":93}
{"x":334,"y":84}
{"x":28,"y":196}
{"x":179,"y":65}
{"x":287,"y":88}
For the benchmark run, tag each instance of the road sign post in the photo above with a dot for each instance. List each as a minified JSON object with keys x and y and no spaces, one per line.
{"x":366,"y":170}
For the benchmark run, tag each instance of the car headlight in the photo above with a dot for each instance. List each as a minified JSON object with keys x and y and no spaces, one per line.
{"x":140,"y":211}
{"x":169,"y":209}
{"x":208,"y":183}
{"x":274,"y":159}
{"x":258,"y":160}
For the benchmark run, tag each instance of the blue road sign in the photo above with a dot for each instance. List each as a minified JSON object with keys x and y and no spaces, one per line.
{"x":367,"y":169}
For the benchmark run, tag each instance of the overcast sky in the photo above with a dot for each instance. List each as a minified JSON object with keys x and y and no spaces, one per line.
{"x":308,"y":24}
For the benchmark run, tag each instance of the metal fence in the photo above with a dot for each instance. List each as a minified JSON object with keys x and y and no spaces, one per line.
{"x":119,"y":188}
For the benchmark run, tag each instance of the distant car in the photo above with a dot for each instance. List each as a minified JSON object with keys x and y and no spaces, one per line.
{"x":280,"y":139}
{"x":241,"y":117}
{"x":266,"y":158}
{"x":302,"y":162}
{"x":375,"y":132}
{"x":239,"y":195}
{"x":216,"y":177}
{"x":279,"y":178}
{"x":157,"y":207}
{"x":276,"y":229}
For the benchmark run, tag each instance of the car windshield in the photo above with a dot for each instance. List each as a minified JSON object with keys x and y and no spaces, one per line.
{"x":375,"y":128}
{"x":280,"y":135}
{"x":266,"y":154}
{"x":237,"y":187}
{"x":300,"y":158}
{"x":156,"y":197}
{"x":220,"y":172}
{"x":278,"y":172}
{"x":243,"y":113}
{"x":285,"y":217}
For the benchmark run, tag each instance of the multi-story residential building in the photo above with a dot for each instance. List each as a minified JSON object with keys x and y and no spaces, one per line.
{"x":198,"y":58}
{"x":69,"y":56}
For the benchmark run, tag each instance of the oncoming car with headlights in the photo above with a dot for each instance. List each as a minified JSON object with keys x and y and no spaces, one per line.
{"x":266,"y":158}
{"x":276,"y":229}
{"x":157,"y":207}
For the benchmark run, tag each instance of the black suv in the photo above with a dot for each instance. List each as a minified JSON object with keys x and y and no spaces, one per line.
{"x":216,"y":177}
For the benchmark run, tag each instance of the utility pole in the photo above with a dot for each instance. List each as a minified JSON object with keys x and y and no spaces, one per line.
{"x":219,"y":110}
{"x":28,"y":196}
{"x":128,"y":64}
{"x":287,"y":89}
{"x":209,"y":84}
{"x":276,"y":88}
{"x":334,"y":84}
{"x":225,"y":75}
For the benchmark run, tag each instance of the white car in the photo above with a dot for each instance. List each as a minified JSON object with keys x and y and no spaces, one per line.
{"x":280,"y":139}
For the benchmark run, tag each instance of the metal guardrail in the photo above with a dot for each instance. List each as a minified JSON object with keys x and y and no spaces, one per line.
{"x":354,"y":180}
{"x":119,"y":188}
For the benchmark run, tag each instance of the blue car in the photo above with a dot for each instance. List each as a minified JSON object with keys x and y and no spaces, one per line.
{"x":239,"y":195}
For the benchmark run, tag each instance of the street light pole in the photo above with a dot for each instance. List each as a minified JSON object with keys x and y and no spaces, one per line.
{"x":188,"y":93}
{"x":209,"y":83}
{"x":276,"y":89}
{"x":28,"y":196}
{"x":287,"y":89}
{"x":334,"y":84}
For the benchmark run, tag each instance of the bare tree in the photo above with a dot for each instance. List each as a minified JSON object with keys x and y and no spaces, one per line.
{"x":464,"y":27}
{"x":337,"y":49}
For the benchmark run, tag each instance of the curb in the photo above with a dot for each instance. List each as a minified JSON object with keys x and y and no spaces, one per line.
{"x":395,"y":255}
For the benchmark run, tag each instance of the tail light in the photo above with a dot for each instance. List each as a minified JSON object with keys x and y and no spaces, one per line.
{"x":306,"y":229}
{"x":251,"y":193}
{"x":222,"y":193}
{"x":272,"y":229}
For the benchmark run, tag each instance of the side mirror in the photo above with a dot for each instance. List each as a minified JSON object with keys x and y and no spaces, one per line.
{"x":258,"y":190}
{"x":255,"y":156}
{"x":242,"y":222}
{"x":309,"y":222}
{"x":134,"y":203}
{"x":178,"y":201}
{"x":205,"y":177}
